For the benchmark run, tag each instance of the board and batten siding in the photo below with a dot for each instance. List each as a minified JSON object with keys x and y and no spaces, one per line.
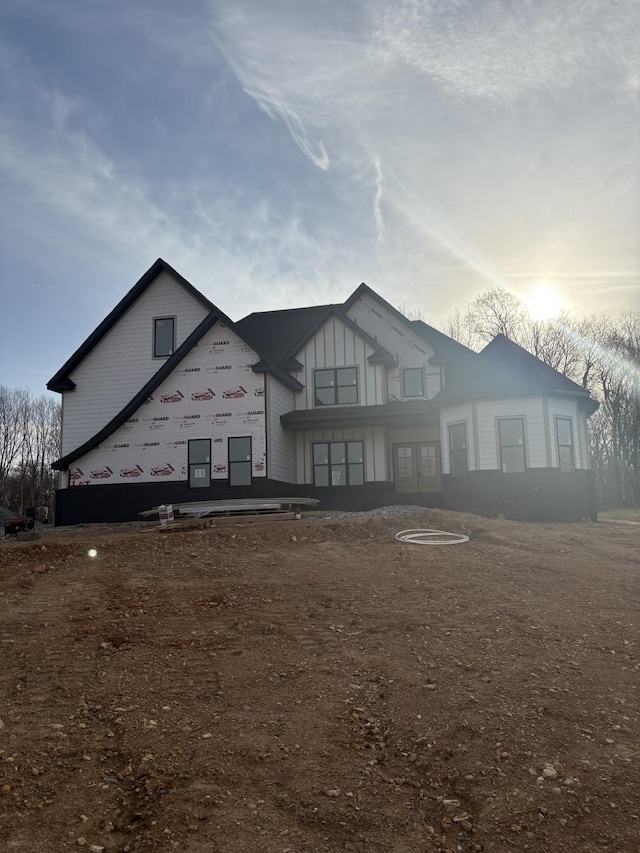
{"x":375,"y":457}
{"x":409,"y":349}
{"x":281,"y":445}
{"x":212,"y":394}
{"x":456,"y":415}
{"x":335,"y":345}
{"x":116,"y":369}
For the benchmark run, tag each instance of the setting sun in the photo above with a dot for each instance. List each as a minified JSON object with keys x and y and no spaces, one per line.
{"x":545,"y":302}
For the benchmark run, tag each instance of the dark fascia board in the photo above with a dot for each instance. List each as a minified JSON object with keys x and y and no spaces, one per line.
{"x":136,"y":401}
{"x":61,"y":380}
{"x":263,"y":366}
{"x":439,"y":357}
{"x":379,"y":356}
{"x":410,"y":413}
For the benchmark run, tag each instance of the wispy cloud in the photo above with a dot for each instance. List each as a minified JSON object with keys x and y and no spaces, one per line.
{"x":279,"y":153}
{"x":401,"y":78}
{"x":506,"y":52}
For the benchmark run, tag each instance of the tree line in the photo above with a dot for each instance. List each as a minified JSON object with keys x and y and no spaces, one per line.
{"x":599,"y":353}
{"x":30,"y":430}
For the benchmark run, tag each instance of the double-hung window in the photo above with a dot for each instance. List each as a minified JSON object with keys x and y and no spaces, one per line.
{"x":336,"y":386}
{"x":338,"y":463}
{"x":512,"y":446}
{"x":412,"y":382}
{"x":564,"y":437}
{"x":458,"y":461}
{"x":163,"y":336}
{"x":199,"y":463}
{"x":240,"y":461}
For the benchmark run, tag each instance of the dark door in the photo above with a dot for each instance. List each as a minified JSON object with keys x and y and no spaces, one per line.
{"x":417,"y":467}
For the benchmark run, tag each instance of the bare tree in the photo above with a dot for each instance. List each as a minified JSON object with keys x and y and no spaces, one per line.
{"x":29,"y":443}
{"x":498,"y":312}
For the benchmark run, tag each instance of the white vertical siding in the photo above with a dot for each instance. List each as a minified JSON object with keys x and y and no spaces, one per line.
{"x":397,"y":338}
{"x":335,"y":345}
{"x":281,"y":445}
{"x":123,"y":361}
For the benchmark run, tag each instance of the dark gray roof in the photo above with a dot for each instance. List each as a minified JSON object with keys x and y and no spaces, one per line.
{"x":278,"y":332}
{"x":504,"y":369}
{"x":447,"y":348}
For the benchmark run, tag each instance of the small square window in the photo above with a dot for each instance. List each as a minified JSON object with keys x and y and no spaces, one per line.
{"x":412,"y":382}
{"x":163,"y":337}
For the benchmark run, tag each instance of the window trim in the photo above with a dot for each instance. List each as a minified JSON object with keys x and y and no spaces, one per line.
{"x":239,"y":462}
{"x":173,"y":336}
{"x":523,"y":421}
{"x":347,"y":464}
{"x":191,"y":465}
{"x":406,"y":396}
{"x":572,"y":446}
{"x":460,"y":450}
{"x":336,"y":386}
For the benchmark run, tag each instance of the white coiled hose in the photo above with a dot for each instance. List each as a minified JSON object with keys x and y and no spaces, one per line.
{"x":416,"y":536}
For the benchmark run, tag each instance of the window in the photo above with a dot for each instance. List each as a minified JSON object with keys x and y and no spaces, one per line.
{"x":512,"y":450}
{"x":240,"y":461}
{"x":428,"y":460}
{"x":564,"y":436}
{"x":338,"y":463}
{"x":338,"y":385}
{"x":163,"y":342}
{"x":199,"y":463}
{"x":458,"y":449}
{"x":405,"y":462}
{"x":412,"y":382}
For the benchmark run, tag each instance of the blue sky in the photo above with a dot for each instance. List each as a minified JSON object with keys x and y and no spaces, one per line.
{"x":278,"y":153}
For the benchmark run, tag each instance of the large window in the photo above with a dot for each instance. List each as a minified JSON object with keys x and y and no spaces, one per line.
{"x":412,"y":382}
{"x":564,"y":437}
{"x":459,"y":463}
{"x":512,"y":448}
{"x":199,"y":463}
{"x":240,"y":461}
{"x":338,"y":463}
{"x":163,"y":337}
{"x":335,"y":386}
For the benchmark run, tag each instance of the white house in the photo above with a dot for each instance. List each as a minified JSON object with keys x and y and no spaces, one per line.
{"x":168,"y":400}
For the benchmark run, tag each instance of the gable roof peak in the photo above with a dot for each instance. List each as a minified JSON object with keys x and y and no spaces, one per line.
{"x":62,"y":381}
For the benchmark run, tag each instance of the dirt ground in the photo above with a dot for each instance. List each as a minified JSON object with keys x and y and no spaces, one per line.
{"x":316,"y":685}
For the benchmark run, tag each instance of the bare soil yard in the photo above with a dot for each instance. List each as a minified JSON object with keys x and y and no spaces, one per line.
{"x":316,"y":685}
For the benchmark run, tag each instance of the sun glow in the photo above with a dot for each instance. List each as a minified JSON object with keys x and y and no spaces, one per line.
{"x":545,"y":302}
